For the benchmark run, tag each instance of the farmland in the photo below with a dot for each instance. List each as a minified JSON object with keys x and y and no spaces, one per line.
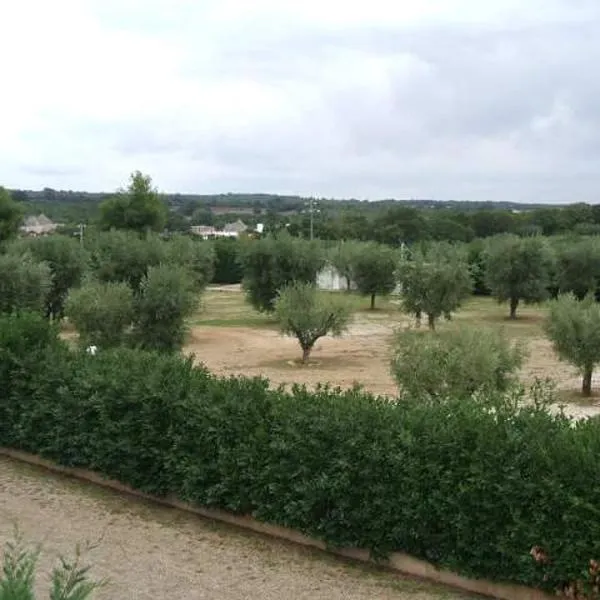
{"x":230,"y":337}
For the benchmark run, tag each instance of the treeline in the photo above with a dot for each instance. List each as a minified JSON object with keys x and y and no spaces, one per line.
{"x":389,"y":221}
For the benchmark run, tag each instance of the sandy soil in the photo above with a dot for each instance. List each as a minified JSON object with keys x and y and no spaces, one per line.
{"x":361,"y":356}
{"x":148,"y":552}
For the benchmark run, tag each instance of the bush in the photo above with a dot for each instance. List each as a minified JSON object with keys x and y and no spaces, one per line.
{"x":167,"y":297}
{"x":101,"y":312}
{"x":24,"y":284}
{"x":454,"y":363}
{"x":505,"y":494}
{"x":69,"y":581}
{"x":308,"y":316}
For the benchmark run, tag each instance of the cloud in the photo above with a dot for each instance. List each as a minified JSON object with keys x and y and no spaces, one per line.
{"x":447,"y":99}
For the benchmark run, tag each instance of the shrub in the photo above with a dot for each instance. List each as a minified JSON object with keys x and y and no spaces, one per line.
{"x":24,"y":284}
{"x":573,"y":326}
{"x":454,"y":363}
{"x":308,"y":316}
{"x":101,"y":312}
{"x":69,"y":581}
{"x":167,"y":297}
{"x":454,"y":482}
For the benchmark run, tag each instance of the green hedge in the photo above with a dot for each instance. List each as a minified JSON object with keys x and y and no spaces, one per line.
{"x":455,"y":483}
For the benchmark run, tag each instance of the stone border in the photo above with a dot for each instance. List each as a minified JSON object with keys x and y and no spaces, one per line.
{"x":397,"y":561}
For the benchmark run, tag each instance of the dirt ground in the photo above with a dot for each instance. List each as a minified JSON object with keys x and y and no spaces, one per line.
{"x":147,"y":551}
{"x":362,"y":355}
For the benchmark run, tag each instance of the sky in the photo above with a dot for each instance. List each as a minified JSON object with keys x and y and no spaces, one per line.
{"x":445,"y":99}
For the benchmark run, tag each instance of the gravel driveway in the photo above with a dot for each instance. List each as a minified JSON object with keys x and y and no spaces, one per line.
{"x":148,"y":551}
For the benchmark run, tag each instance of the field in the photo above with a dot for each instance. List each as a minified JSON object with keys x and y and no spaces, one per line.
{"x":231,"y":338}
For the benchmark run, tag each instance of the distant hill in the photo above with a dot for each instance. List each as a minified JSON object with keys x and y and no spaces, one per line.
{"x":245,"y":203}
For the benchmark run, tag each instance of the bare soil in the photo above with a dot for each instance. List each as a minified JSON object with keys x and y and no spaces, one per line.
{"x":148,"y":551}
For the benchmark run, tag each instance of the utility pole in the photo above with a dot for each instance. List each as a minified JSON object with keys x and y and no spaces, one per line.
{"x":81,"y":228}
{"x":311,"y":210}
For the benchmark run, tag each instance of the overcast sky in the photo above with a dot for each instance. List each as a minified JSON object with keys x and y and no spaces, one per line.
{"x":445,"y":99}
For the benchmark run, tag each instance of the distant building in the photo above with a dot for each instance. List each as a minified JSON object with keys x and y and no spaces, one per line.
{"x":237,"y":227}
{"x":231,"y":230}
{"x":40,"y":225}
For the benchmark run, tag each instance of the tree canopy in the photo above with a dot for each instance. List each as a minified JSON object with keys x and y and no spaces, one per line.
{"x":518,"y":269}
{"x":374,"y":270}
{"x":138,"y":208}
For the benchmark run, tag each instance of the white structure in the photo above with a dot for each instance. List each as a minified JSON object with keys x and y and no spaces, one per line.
{"x":231,"y":230}
{"x":40,"y":225}
{"x":328,"y":278}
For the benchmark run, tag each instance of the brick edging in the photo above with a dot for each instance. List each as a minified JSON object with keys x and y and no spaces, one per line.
{"x":397,"y":561}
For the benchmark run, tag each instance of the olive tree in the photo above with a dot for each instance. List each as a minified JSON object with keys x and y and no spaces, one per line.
{"x":124,"y":256}
{"x":67,"y":262}
{"x":374,"y":270}
{"x":434,"y":283}
{"x":24,"y":284}
{"x":518,"y":269}
{"x":101,"y":312}
{"x":454,"y":362}
{"x":196,"y":255}
{"x":578,"y":266}
{"x":10,"y":216}
{"x":167,"y":298}
{"x":271,"y":263}
{"x":573,"y":326}
{"x":308,"y":315}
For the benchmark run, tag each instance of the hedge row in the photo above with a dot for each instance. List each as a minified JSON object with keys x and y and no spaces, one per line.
{"x":455,"y":483}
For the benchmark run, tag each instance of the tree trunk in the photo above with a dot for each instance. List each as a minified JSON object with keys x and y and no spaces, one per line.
{"x":431,"y":321}
{"x":306,"y":354}
{"x":514,"y":302}
{"x":348,"y":284}
{"x":372,"y":301}
{"x":418,"y":318}
{"x":586,"y":388}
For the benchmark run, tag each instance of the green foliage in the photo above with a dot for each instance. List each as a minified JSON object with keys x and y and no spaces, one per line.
{"x":272,"y":262}
{"x":70,"y":580}
{"x":454,"y":363}
{"x":196,"y":255}
{"x":374,"y":270}
{"x":573,"y":326}
{"x":167,"y":297}
{"x":138,"y":208}
{"x":67,"y":262}
{"x":304,"y":313}
{"x":343,"y":256}
{"x":434,"y":283}
{"x":578,"y":266}
{"x":471,"y":484}
{"x":10,"y":216}
{"x":518,"y":269}
{"x":124,"y":256}
{"x":228,"y":269}
{"x":24,"y":283}
{"x":101,"y":312}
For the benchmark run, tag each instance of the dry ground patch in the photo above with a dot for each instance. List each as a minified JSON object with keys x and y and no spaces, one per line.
{"x":232,"y":338}
{"x":149,"y":551}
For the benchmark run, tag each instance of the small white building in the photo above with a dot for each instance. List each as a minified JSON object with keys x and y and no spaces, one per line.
{"x":40,"y":225}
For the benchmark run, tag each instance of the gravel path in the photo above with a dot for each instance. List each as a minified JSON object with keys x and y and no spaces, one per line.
{"x":148,"y":551}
